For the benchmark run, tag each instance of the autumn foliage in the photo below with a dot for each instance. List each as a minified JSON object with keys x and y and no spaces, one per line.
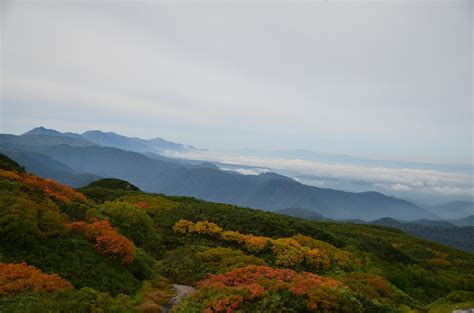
{"x":50,"y":187}
{"x":288,"y":251}
{"x":231,"y":289}
{"x":107,"y":239}
{"x":370,"y":285}
{"x":15,"y":278}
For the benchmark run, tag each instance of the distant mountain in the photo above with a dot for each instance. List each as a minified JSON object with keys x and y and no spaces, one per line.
{"x":41,"y":136}
{"x":467,"y":221}
{"x":267,"y":191}
{"x":441,"y":232}
{"x":41,"y":140}
{"x":436,"y":223}
{"x":51,"y":132}
{"x":301,"y":213}
{"x":47,"y":167}
{"x":110,"y":139}
{"x":453,"y":210}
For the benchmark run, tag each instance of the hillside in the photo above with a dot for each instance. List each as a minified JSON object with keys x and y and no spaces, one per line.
{"x":301,"y":213}
{"x":266,"y":191}
{"x":467,"y":221}
{"x":47,"y":167}
{"x":113,"y":248}
{"x":438,"y":231}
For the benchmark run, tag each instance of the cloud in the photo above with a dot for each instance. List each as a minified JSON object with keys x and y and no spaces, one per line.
{"x":388,"y":179}
{"x":400,"y":187}
{"x":245,"y":171}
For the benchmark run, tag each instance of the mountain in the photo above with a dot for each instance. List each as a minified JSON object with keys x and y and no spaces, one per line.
{"x":51,"y":132}
{"x":467,"y":221}
{"x":40,"y":140}
{"x":305,"y":214}
{"x":44,"y":136}
{"x":435,"y":223}
{"x":110,"y":139}
{"x":453,"y":210}
{"x":47,"y":167}
{"x":66,"y":250}
{"x":268,"y":191}
{"x":442,"y":232}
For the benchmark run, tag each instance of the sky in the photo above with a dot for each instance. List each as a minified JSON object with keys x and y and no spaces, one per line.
{"x":378,"y":79}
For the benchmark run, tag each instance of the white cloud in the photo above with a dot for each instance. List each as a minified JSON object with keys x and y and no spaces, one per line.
{"x":400,"y":187}
{"x":245,"y":171}
{"x":389,"y":179}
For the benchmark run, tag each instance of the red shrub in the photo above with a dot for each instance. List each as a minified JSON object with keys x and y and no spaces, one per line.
{"x":54,"y":189}
{"x":15,"y":278}
{"x":107,"y":239}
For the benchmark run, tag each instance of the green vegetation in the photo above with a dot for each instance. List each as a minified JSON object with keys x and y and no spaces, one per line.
{"x":8,"y":164}
{"x":114,"y":184}
{"x":116,"y":249}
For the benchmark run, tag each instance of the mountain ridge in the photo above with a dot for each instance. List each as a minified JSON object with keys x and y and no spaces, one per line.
{"x":268,"y":191}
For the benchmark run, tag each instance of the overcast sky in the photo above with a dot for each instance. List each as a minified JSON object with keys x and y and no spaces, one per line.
{"x":383,"y":79}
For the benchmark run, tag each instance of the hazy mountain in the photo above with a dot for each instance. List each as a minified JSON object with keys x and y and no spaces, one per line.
{"x":110,"y":139}
{"x":27,"y":140}
{"x":51,"y":132}
{"x":453,"y":210}
{"x":301,"y":213}
{"x":45,"y":166}
{"x":436,"y":223}
{"x":41,"y":136}
{"x":448,"y":234}
{"x":467,"y":221}
{"x":268,"y":191}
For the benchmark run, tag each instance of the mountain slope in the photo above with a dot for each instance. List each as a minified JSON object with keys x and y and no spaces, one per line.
{"x":267,"y":191}
{"x":47,"y":167}
{"x":444,"y":232}
{"x":111,"y":139}
{"x":305,"y":214}
{"x":65,"y":251}
{"x":467,"y":221}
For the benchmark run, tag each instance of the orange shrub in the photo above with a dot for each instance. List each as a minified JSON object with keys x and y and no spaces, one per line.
{"x":50,"y":187}
{"x":142,"y":204}
{"x":107,"y":239}
{"x":370,"y":285}
{"x":15,"y":278}
{"x":316,"y":258}
{"x":228,"y":290}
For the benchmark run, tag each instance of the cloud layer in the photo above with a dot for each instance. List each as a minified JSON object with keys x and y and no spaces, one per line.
{"x":415,"y":183}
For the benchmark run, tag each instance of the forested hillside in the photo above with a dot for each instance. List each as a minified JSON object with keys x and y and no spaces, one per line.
{"x":109,"y":247}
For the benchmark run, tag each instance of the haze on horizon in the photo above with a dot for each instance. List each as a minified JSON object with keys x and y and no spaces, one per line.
{"x":380,"y":79}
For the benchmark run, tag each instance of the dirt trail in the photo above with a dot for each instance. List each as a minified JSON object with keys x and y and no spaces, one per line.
{"x":181,"y":292}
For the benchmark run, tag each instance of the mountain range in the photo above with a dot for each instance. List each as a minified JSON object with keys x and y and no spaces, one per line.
{"x":455,"y":233}
{"x":80,"y":158}
{"x":438,"y":231}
